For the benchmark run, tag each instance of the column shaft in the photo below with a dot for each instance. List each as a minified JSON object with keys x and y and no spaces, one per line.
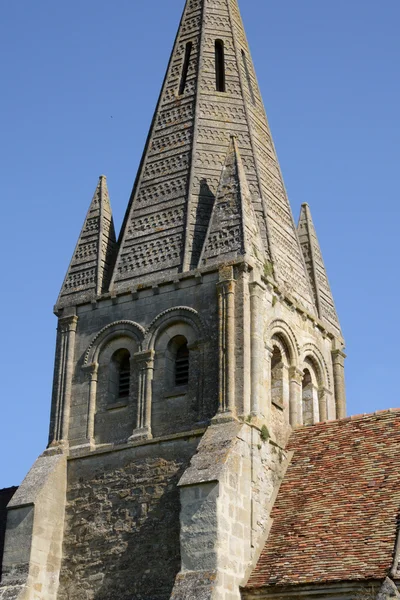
{"x":64,"y":367}
{"x":340,"y":388}
{"x":145,"y":365}
{"x":226,"y":307}
{"x":295,"y":396}
{"x":93,"y":374}
{"x":257,"y":346}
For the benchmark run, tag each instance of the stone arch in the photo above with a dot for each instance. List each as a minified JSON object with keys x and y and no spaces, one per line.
{"x":117,"y":329}
{"x":174,"y":316}
{"x":175,"y":406}
{"x":279,"y":329}
{"x":310,"y":352}
{"x":111,"y":418}
{"x":315,"y":385}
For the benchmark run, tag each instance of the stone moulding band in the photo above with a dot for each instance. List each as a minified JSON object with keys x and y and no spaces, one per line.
{"x":312,"y":351}
{"x":116,"y":325}
{"x":145,"y":336}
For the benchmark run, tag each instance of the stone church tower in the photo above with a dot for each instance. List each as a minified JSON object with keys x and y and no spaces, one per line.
{"x":186,"y":351}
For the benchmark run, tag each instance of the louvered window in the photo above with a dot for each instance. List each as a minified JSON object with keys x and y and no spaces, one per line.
{"x":124,"y":377}
{"x":182,"y":365}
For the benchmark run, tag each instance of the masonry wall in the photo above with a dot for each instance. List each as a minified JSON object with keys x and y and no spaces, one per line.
{"x":5,"y":497}
{"x":144,"y":307}
{"x":122,"y":522}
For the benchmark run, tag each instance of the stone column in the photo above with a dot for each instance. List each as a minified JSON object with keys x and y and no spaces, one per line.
{"x":145,"y":364}
{"x":340,"y":389}
{"x":63,"y":378}
{"x":257,"y":346}
{"x":295,"y":396}
{"x":196,"y":371}
{"x":92,"y":371}
{"x":269,"y":352}
{"x":324,"y":396}
{"x":226,"y":312}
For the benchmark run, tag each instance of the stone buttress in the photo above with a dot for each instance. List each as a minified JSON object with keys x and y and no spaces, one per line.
{"x":185,"y":353}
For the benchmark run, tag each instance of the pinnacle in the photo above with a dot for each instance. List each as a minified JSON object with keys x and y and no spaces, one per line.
{"x":316,"y":269}
{"x":89,"y":271}
{"x":233,"y":229}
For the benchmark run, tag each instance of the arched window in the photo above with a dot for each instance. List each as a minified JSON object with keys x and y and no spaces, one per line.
{"x":119,"y":376}
{"x":307,"y":398}
{"x":185,"y":68}
{"x":182,"y":364}
{"x":220,"y":66}
{"x":277,"y":378}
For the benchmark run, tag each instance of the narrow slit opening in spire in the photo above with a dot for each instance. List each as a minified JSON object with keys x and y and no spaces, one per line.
{"x":248,"y":77}
{"x":185,"y":68}
{"x":220,"y":66}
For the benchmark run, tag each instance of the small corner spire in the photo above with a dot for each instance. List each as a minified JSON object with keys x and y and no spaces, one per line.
{"x":233,"y":230}
{"x":316,"y":269}
{"x":90,"y":268}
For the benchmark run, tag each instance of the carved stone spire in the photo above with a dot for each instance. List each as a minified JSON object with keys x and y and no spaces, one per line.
{"x":316,"y":270}
{"x":210,"y":93}
{"x":89,"y":271}
{"x":233,"y":230}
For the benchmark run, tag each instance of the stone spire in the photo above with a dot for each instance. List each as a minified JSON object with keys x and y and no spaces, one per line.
{"x":210,"y":93}
{"x":233,"y":229}
{"x":89,"y":271}
{"x":316,"y":270}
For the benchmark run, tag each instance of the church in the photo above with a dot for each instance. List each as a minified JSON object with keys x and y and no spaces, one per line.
{"x":199,"y":447}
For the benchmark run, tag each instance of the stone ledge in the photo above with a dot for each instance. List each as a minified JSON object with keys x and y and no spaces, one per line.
{"x":79,"y":452}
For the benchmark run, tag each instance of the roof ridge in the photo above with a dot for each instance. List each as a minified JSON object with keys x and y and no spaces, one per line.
{"x":350,"y":418}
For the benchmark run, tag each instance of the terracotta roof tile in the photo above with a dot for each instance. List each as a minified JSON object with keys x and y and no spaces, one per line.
{"x":336,"y":515}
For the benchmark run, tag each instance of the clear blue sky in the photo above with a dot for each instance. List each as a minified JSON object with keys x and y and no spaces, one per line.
{"x":79,"y":81}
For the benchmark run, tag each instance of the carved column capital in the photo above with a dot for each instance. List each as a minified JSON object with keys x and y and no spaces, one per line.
{"x":225,"y":273}
{"x":257,"y":289}
{"x":144,"y":359}
{"x":227,"y":286}
{"x":296,"y":375}
{"x":67,"y":324}
{"x":338,"y":357}
{"x":92,"y":369}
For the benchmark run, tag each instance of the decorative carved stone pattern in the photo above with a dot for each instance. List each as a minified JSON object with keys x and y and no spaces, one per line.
{"x":154,"y":235}
{"x":233,"y":227}
{"x":186,"y":153}
{"x":316,"y":269}
{"x":156,"y":254}
{"x":89,"y":271}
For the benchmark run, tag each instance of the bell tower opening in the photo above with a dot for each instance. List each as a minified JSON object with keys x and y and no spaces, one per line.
{"x":185,"y":68}
{"x":220,"y":66}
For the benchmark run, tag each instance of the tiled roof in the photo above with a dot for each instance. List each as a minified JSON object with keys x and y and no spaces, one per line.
{"x":336,"y":515}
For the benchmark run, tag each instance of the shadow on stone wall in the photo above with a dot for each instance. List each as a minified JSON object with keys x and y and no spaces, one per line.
{"x":205,"y":205}
{"x":5,"y":497}
{"x":122,"y":535}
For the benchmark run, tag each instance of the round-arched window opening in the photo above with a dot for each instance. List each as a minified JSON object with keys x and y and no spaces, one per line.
{"x":307,"y":396}
{"x":181,"y":370}
{"x":277,"y":378}
{"x":120,"y":375}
